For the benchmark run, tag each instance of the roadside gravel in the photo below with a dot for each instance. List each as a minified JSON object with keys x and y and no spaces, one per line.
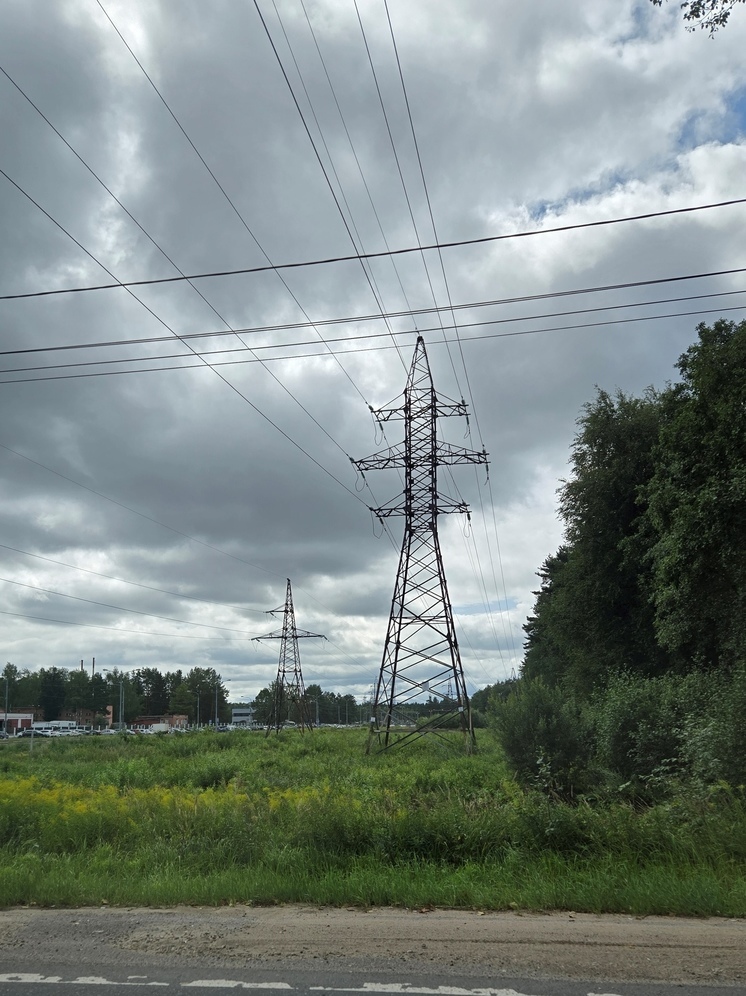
{"x":480,"y":945}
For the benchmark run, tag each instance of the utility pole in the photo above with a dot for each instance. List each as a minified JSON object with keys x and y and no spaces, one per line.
{"x":289,"y":684}
{"x":7,"y":680}
{"x":421,"y":651}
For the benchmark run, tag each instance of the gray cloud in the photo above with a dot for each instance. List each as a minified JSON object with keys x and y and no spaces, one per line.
{"x":534,"y":117}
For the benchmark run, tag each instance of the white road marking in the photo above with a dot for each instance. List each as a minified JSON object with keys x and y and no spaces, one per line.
{"x":234,"y":984}
{"x":82,"y":980}
{"x":405,"y":988}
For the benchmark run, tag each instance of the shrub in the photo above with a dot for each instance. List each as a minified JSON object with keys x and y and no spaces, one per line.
{"x":546,"y":737}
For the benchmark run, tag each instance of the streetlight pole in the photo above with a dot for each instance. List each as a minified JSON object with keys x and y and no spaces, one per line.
{"x":5,"y":721}
{"x":198,"y":708}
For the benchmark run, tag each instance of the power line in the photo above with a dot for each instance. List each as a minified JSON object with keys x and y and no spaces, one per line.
{"x":230,"y":329}
{"x":136,"y":584}
{"x":203,"y":361}
{"x":251,"y":233}
{"x":121,"y":608}
{"x":113,"y":629}
{"x":370,"y":255}
{"x":221,"y":188}
{"x":218,"y":333}
{"x":353,"y":351}
{"x":157,"y":522}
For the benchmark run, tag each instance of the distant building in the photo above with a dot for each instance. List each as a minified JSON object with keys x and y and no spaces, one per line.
{"x":83,"y":717}
{"x":14,"y":722}
{"x":242,"y":716}
{"x":159,"y":722}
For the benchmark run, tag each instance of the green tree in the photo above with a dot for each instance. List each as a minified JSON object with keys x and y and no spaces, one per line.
{"x":100,"y":696}
{"x":27,"y":689}
{"x":592,"y":614}
{"x":204,"y":681}
{"x":153,"y":689}
{"x":11,"y":674}
{"x":117,"y":679}
{"x":183,"y":702}
{"x":709,"y":15}
{"x":52,"y":691}
{"x":697,"y":505}
{"x":78,"y":691}
{"x":264,"y":705}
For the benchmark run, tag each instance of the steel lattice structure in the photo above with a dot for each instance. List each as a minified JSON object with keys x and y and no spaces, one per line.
{"x":289,"y":684}
{"x":421,"y":653}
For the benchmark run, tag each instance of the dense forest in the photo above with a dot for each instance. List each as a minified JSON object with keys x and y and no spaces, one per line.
{"x":635,"y":656}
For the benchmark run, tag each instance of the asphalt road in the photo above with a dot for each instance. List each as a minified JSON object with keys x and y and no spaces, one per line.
{"x":306,"y":950}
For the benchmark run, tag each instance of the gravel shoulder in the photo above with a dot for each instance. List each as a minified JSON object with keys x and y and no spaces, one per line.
{"x":466,"y":944}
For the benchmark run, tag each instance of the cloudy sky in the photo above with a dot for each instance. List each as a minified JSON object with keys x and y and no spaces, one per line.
{"x":160,"y":484}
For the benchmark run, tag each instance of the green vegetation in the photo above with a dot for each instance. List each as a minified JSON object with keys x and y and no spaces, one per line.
{"x":634,"y":680}
{"x":209,"y":818}
{"x":611,"y":777}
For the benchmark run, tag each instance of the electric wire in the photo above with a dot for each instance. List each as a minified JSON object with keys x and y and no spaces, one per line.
{"x":355,"y":350}
{"x":357,"y":161}
{"x":219,"y":333}
{"x":242,"y":271}
{"x":366,"y":266}
{"x":203,"y":361}
{"x":248,"y":229}
{"x":453,"y":316}
{"x":121,"y":608}
{"x":136,"y":584}
{"x":221,"y":188}
{"x":422,"y":177}
{"x":396,"y":155}
{"x":360,"y":257}
{"x":163,"y":252}
{"x":112,"y":629}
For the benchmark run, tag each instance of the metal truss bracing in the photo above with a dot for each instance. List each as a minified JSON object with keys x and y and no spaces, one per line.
{"x":289,"y":690}
{"x":421,"y":655}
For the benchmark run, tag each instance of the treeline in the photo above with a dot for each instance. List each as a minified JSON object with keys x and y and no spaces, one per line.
{"x":146,"y":691}
{"x":635,"y":655}
{"x":325,"y":708}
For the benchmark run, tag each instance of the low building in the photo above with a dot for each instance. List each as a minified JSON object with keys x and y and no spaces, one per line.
{"x":82,"y":717}
{"x":242,"y":716}
{"x":160,"y":723}
{"x":13,"y":722}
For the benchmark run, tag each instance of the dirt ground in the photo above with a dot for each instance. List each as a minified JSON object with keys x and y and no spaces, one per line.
{"x":561,"y":945}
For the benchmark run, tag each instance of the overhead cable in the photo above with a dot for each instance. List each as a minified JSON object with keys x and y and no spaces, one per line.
{"x":371,"y":255}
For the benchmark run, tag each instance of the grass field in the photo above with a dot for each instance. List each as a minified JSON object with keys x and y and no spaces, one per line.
{"x":220,"y":818}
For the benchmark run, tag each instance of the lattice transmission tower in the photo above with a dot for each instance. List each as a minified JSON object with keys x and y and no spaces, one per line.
{"x":421,"y":653}
{"x":289,"y":687}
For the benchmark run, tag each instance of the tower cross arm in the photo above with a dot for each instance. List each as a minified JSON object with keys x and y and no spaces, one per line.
{"x":392,"y":456}
{"x":444,"y":409}
{"x":387,"y":414}
{"x":446,"y":453}
{"x":277,"y":635}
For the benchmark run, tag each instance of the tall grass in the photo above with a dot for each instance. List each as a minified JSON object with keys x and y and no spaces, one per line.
{"x":236,"y":818}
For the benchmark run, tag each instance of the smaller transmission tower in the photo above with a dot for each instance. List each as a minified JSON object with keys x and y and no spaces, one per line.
{"x":289,"y":684}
